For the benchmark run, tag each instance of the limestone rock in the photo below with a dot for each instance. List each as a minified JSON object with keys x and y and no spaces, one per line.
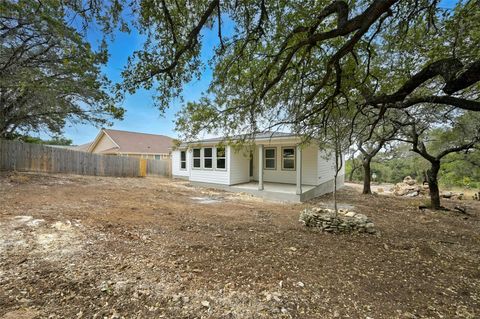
{"x":408,"y":187}
{"x":447,"y":194}
{"x":326,"y":220}
{"x":409,"y":181}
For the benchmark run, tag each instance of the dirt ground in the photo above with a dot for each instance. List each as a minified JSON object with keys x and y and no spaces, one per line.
{"x":99,"y":247}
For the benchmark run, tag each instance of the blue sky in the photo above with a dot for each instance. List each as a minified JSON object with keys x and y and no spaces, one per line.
{"x":141,"y":115}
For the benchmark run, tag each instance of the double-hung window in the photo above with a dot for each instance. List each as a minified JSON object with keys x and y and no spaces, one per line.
{"x":270,"y":158}
{"x":196,"y":158}
{"x":183,"y":160}
{"x":288,"y":158}
{"x":208,"y":157}
{"x":221,"y":158}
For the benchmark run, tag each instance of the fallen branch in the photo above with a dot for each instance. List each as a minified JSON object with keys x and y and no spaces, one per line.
{"x":462,"y":210}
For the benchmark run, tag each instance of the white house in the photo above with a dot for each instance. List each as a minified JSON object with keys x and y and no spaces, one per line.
{"x":275,"y":167}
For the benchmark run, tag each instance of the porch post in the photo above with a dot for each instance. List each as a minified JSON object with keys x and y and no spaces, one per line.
{"x":260,"y":167}
{"x":299,"y":170}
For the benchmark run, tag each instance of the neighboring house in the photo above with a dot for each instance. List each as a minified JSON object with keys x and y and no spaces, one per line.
{"x":276,"y":166}
{"x":124,"y":143}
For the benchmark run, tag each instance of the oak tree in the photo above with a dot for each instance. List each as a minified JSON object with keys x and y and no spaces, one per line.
{"x":49,"y":73}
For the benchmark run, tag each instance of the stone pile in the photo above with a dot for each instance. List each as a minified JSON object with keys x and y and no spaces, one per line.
{"x":408,"y":188}
{"x":476,"y":196}
{"x":344,"y":222}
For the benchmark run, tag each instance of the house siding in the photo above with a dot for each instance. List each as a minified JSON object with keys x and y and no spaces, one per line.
{"x":309,"y":166}
{"x":326,"y":167}
{"x":176,"y":171}
{"x":210,"y":175}
{"x":103,"y":144}
{"x":239,"y":166}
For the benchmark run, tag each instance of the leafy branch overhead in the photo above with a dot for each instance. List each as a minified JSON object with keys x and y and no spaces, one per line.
{"x":288,"y":63}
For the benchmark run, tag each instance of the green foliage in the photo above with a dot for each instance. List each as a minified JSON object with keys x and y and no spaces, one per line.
{"x":393,"y":170}
{"x":56,"y":140}
{"x":458,"y":169}
{"x":461,"y":170}
{"x":49,"y":73}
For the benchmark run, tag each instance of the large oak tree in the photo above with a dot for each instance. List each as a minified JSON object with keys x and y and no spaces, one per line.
{"x":285,"y":61}
{"x":49,"y":73}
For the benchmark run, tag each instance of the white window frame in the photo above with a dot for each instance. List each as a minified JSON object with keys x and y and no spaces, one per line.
{"x":294,"y":158}
{"x":183,"y":161}
{"x":224,"y":157}
{"x":194,"y":158}
{"x":205,"y":158}
{"x":274,"y":158}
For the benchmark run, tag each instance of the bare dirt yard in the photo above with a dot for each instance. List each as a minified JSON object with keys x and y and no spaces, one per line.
{"x":99,"y":247}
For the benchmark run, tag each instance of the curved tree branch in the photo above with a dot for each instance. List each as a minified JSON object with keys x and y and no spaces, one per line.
{"x":456,"y":77}
{"x":461,"y":103}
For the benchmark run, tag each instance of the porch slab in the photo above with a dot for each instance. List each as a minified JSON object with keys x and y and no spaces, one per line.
{"x":274,"y":187}
{"x":271,"y":191}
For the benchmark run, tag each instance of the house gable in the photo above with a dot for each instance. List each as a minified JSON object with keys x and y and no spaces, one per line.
{"x":103,"y":144}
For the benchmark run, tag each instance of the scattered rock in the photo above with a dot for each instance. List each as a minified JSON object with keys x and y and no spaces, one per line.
{"x":403,"y":189}
{"x":205,"y":304}
{"x":345,"y":222}
{"x":21,"y":314}
{"x":409,"y":181}
{"x":350,"y":214}
{"x":452,"y":195}
{"x":447,"y":194}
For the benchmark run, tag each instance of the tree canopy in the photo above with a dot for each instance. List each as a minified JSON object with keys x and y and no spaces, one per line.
{"x":49,"y":73}
{"x":286,"y":61}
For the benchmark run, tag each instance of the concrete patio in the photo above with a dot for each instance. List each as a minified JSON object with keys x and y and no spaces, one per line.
{"x":274,"y":191}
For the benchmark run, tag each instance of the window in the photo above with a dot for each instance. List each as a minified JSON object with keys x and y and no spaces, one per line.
{"x":207,"y":157}
{"x":196,"y":158}
{"x":221,"y":158}
{"x":288,"y":158}
{"x":157,"y":157}
{"x":270,"y":159}
{"x":183,"y":160}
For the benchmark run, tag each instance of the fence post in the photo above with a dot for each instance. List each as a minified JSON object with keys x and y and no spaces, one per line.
{"x":143,"y":167}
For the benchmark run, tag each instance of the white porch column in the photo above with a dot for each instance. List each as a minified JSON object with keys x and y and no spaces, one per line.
{"x":260,"y":167}
{"x":299,"y":169}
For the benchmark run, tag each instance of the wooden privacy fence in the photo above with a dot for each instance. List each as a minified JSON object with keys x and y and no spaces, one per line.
{"x":20,"y":156}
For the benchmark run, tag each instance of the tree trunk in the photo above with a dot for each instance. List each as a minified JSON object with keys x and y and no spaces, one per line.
{"x":432,"y":174}
{"x":350,"y":176}
{"x":367,"y":176}
{"x":335,"y":195}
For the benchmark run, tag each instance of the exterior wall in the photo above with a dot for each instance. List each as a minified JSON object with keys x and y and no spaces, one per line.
{"x":103,"y":144}
{"x":317,"y":167}
{"x":163,"y":156}
{"x":309,"y":166}
{"x":323,"y":188}
{"x":239,"y":166}
{"x":176,"y":170}
{"x":326,"y":167}
{"x":217,"y":176}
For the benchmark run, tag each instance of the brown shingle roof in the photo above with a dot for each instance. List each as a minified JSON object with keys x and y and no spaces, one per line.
{"x":82,"y":147}
{"x":140,"y":142}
